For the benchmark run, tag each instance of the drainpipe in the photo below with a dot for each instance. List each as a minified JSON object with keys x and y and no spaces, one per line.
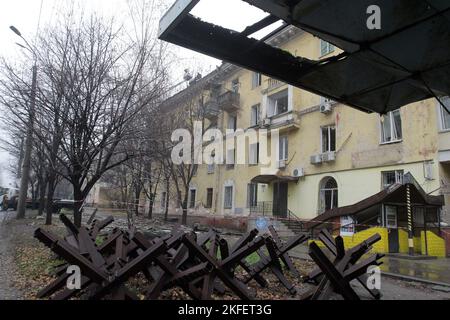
{"x":410,"y":223}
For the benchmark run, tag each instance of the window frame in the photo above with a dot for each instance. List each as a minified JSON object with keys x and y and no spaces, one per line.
{"x":330,"y":48}
{"x":283,"y":144}
{"x":253,"y":156}
{"x":272,"y":100}
{"x":392,"y":128}
{"x":329,"y":129}
{"x":232,"y":122}
{"x":252,"y":195}
{"x":256,"y":80}
{"x":323,"y":194}
{"x":399,"y":173}
{"x":193,"y":199}
{"x":209,"y":198}
{"x":230,"y":165}
{"x":227,"y":205}
{"x":443,"y":114}
{"x":255,"y":121}
{"x":211,"y":168}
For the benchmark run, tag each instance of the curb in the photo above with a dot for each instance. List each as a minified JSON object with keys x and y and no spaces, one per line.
{"x":409,"y":278}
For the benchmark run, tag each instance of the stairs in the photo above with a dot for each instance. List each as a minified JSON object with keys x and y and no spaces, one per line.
{"x":295,"y":226}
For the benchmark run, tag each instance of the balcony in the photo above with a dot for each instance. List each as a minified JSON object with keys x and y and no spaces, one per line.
{"x":211,"y":110}
{"x":229,"y":101}
{"x":273,"y":84}
{"x":283,"y":122}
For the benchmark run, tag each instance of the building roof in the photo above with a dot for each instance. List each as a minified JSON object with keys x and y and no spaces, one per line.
{"x":406,"y":61}
{"x":394,"y":194}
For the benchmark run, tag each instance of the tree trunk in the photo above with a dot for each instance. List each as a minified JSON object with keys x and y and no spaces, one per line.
{"x":51,"y":182}
{"x":166,"y":207}
{"x":77,"y":211}
{"x":150,"y":208}
{"x":185,"y":210}
{"x":42,"y":189}
{"x":137,"y":196}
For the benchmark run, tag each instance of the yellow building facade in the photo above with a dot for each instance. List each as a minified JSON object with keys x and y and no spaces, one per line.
{"x":331,"y":154}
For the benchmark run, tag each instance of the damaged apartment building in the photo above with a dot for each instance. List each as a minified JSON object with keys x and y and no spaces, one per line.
{"x":330,"y":155}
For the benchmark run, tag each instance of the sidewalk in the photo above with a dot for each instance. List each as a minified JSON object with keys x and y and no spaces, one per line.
{"x":436,"y":270}
{"x":433,"y":271}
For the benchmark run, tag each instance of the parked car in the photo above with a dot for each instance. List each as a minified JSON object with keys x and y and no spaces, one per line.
{"x":59,"y":204}
{"x":9,"y":203}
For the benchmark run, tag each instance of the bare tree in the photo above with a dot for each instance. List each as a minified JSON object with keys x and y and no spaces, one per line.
{"x":94,"y":78}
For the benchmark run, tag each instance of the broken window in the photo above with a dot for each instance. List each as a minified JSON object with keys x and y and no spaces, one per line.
{"x":284,"y":148}
{"x":325,"y":48}
{"x":256,"y":80}
{"x":328,"y":139}
{"x":391,"y":127}
{"x":192,"y":198}
{"x":228,"y":197}
{"x":255,"y":114}
{"x":209,"y":197}
{"x":328,"y":194}
{"x":445,"y":116}
{"x":388,"y":178}
{"x":252,"y":195}
{"x":278,"y":103}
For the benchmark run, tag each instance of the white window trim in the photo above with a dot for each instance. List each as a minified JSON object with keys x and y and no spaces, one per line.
{"x":397,"y":172}
{"x":284,"y":147}
{"x":329,"y":136}
{"x":386,"y":218}
{"x":258,"y":77}
{"x":233,"y":195}
{"x":391,"y":116}
{"x":273,"y":113}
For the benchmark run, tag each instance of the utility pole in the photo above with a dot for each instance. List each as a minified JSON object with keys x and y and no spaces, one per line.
{"x":24,"y":179}
{"x":23,"y":192}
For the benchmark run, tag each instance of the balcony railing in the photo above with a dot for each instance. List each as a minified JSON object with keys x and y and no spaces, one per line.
{"x":229,"y":101}
{"x":274,"y":83}
{"x":211,"y":110}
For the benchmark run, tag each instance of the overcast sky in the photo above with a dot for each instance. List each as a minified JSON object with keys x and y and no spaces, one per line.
{"x":24,"y":14}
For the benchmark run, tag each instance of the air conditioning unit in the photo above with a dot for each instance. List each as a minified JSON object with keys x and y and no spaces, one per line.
{"x":298,"y":172}
{"x":428,"y":170}
{"x":316,"y":159}
{"x":325,"y":107}
{"x":329,"y":156}
{"x":266,"y":122}
{"x":281,"y":164}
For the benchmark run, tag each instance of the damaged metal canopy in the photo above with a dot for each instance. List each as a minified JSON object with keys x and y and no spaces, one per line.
{"x":405,"y":61}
